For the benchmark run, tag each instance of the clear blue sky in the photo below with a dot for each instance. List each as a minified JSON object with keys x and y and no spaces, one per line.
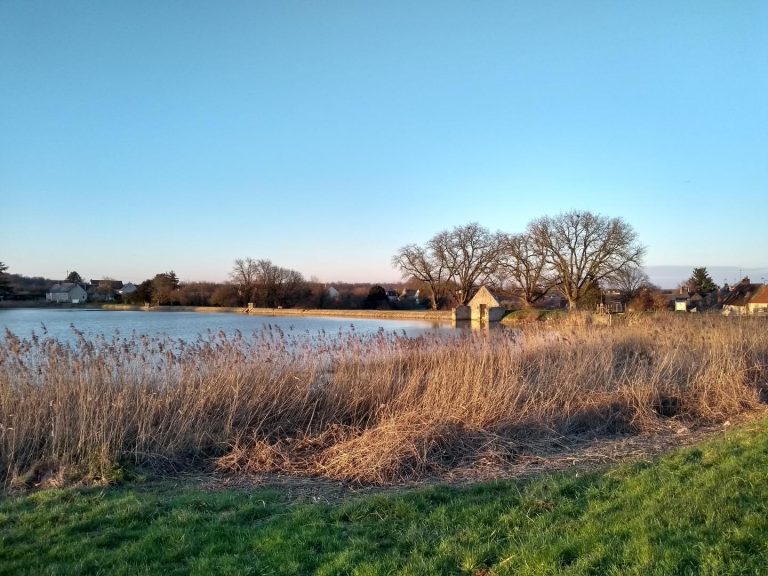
{"x":138,"y":137}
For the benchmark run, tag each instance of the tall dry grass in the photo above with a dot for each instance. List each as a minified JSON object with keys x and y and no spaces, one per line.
{"x":372,"y":409}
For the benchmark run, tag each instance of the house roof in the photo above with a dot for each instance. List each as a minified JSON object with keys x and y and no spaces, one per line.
{"x":483,"y":290}
{"x":741,"y":294}
{"x":63,"y":288}
{"x":761,"y":296}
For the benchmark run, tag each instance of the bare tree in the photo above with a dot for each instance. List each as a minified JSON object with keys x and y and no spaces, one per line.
{"x":458,"y":259}
{"x":106,"y":288}
{"x":583,"y":249}
{"x":419,"y":262}
{"x":291,"y":287}
{"x":522,"y":261}
{"x":470,"y":255}
{"x":265,"y":284}
{"x":629,"y":281}
{"x":244,"y":275}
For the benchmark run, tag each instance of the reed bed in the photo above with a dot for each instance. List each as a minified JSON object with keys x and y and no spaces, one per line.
{"x":370,"y":409}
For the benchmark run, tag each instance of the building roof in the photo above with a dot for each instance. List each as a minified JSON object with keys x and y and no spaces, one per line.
{"x":63,"y":288}
{"x":761,"y":296}
{"x":741,"y":294}
{"x":482,"y":291}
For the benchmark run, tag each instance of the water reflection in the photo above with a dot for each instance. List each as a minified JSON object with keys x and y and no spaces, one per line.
{"x":187,"y":326}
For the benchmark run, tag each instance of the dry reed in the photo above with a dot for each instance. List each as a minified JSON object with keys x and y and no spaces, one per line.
{"x":375,"y":409}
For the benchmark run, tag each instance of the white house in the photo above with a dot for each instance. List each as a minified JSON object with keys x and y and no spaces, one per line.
{"x":128,"y":288}
{"x":735,"y":303}
{"x":331,"y":294}
{"x":68,"y":292}
{"x":758,"y":304}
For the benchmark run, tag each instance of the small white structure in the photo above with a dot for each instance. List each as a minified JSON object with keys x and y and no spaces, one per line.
{"x":128,"y":288}
{"x":67,"y":292}
{"x":486,"y":306}
{"x":331,"y":293}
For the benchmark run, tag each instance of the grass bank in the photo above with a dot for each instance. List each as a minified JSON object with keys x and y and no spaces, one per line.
{"x":701,"y":510}
{"x":375,"y":409}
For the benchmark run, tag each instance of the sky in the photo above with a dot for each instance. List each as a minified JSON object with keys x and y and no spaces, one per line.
{"x":140,"y":137}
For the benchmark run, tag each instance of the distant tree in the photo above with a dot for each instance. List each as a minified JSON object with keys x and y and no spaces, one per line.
{"x":377,"y":298}
{"x":244,"y":276}
{"x":277,"y":286}
{"x":523,"y":263}
{"x":458,"y":260}
{"x":225,"y":295}
{"x":142,"y":295}
{"x":584,"y":249}
{"x":74,"y":277}
{"x":649,"y":299}
{"x":317,"y":296}
{"x":471,"y":255}
{"x":5,"y":283}
{"x":144,"y":291}
{"x":265,"y":284}
{"x":629,"y":281}
{"x":421,"y":263}
{"x":196,"y":293}
{"x":165,"y":288}
{"x":701,"y":282}
{"x":27,"y":288}
{"x":106,"y":288}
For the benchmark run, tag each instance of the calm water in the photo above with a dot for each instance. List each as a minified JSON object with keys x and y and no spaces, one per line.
{"x":189,"y":325}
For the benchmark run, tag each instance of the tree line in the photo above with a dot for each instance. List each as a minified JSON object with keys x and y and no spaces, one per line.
{"x":258,"y":281}
{"x":574,"y":252}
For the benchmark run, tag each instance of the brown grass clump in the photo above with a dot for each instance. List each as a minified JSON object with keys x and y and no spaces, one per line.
{"x":377,"y":409}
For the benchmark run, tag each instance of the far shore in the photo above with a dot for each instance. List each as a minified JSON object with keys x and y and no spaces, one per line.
{"x":435,"y":315}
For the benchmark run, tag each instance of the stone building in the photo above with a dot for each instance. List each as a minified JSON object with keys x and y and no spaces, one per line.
{"x":485,"y":306}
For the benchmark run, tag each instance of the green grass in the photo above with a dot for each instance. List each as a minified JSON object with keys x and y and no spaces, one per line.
{"x":702,"y":510}
{"x":533,"y":314}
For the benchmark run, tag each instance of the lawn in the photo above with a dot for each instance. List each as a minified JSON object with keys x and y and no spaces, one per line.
{"x":701,"y":510}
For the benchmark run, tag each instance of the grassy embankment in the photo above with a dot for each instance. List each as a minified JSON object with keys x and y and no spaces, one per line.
{"x":378,"y":409}
{"x":702,"y":510}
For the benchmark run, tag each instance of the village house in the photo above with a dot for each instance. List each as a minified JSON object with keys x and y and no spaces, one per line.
{"x":393,"y":296}
{"x":410,"y":295}
{"x":737,"y":301}
{"x":758,"y":304}
{"x":67,"y":292}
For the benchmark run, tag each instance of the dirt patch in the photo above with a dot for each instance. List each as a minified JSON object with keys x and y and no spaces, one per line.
{"x":582,"y":454}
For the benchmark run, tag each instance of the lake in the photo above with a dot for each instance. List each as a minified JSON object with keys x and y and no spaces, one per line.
{"x":188,"y":326}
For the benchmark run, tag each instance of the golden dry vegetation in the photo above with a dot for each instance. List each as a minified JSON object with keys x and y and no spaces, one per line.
{"x":377,"y":409}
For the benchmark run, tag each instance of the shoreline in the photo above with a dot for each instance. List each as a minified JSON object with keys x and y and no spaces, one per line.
{"x":435,"y":315}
